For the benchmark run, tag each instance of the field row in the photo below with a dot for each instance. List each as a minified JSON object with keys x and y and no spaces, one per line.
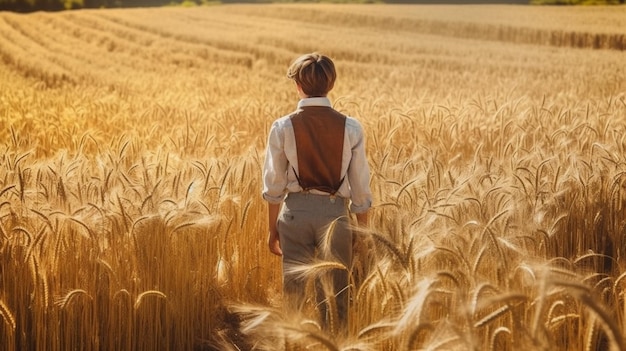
{"x":81,"y":48}
{"x":97,"y":46}
{"x":519,"y":24}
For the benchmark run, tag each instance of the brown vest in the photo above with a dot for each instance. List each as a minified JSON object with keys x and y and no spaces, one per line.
{"x":319,"y":133}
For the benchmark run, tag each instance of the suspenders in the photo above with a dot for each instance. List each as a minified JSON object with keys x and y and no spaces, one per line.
{"x":319,"y":133}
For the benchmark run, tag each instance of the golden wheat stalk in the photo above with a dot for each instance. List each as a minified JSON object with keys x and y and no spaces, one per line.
{"x":612,"y":330}
{"x":67,"y":299}
{"x":8,"y":317}
{"x":148,"y":293}
{"x":412,"y":313}
{"x":314,"y":269}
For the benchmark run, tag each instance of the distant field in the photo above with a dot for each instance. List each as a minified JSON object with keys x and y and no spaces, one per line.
{"x":132,"y":144}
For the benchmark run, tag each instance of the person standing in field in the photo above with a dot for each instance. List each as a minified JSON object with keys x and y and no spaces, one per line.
{"x":315,"y":174}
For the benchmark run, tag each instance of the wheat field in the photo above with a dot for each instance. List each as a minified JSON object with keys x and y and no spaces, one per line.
{"x":132,"y":144}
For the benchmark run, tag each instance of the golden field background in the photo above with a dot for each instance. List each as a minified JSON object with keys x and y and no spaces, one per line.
{"x":132,"y":145}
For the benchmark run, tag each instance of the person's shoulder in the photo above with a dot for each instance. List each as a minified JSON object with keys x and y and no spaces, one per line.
{"x":353,"y":123}
{"x":283,"y":122}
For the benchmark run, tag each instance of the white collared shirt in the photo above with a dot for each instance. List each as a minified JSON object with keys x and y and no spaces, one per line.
{"x":281,"y":155}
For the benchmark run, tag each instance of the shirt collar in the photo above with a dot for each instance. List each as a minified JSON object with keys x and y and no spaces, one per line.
{"x":314,"y":101}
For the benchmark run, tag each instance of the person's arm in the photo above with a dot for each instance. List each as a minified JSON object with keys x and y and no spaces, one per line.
{"x":273,"y":240}
{"x":359,"y":176}
{"x":274,"y":184}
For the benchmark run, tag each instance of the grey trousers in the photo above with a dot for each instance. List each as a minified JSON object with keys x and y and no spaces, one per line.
{"x":315,"y":229}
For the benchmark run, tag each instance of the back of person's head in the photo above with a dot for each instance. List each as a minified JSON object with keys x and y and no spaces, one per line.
{"x":314,"y":73}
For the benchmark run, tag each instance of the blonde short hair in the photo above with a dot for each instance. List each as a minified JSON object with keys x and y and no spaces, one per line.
{"x":314,"y":73}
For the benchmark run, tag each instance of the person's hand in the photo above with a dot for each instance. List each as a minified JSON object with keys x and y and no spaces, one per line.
{"x":274,"y":243}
